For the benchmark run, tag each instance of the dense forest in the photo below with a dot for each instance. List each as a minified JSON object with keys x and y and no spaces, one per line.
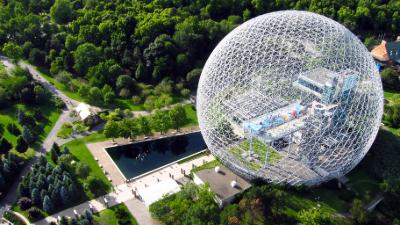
{"x":116,"y":49}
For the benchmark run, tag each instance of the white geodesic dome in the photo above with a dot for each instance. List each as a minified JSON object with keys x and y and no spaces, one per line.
{"x":290,"y":97}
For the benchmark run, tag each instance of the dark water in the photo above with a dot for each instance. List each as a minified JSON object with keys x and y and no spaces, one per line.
{"x":138,"y":158}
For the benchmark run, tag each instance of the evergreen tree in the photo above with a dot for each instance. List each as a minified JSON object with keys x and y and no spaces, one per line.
{"x":55,"y":152}
{"x":28,"y":135}
{"x":35,"y":196}
{"x":66,"y":150}
{"x":5,"y":146}
{"x":3,"y":183}
{"x":22,"y":146}
{"x":47,"y":204}
{"x":65,"y":198}
{"x":22,"y":118}
{"x":22,"y":190}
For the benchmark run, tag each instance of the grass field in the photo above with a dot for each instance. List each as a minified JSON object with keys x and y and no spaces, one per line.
{"x":208,"y":165}
{"x":81,"y":152}
{"x":65,"y":131}
{"x":191,"y":115}
{"x":9,"y":115}
{"x":110,"y":216}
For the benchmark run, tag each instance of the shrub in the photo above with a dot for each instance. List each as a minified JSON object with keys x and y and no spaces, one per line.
{"x":185,"y":92}
{"x":136,"y":99}
{"x":96,"y":185}
{"x":24,"y":203}
{"x":34,"y":213}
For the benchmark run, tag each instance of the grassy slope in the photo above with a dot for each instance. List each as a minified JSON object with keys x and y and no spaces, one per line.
{"x":81,"y":152}
{"x":118,"y":102}
{"x":65,"y":131}
{"x":190,"y":115}
{"x":10,"y":116}
{"x":108,"y":217}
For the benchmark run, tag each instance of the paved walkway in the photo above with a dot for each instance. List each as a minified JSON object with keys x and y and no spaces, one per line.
{"x":123,"y":193}
{"x":141,"y":212}
{"x":7,"y":63}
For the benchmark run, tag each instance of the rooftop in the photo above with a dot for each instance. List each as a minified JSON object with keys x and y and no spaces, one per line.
{"x":380,"y":52}
{"x":220,"y":183}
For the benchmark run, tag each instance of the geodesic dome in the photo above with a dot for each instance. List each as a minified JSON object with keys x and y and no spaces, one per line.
{"x":290,"y":97}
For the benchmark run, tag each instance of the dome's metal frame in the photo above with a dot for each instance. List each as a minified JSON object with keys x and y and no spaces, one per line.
{"x":290,"y":97}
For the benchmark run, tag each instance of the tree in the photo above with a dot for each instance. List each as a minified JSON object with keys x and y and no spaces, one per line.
{"x":357,"y":210}
{"x":28,"y":135}
{"x":108,"y":94}
{"x":61,"y":11}
{"x":34,"y":213}
{"x":12,"y":50}
{"x":65,"y":196}
{"x":47,"y":204}
{"x":35,"y":196}
{"x":95,"y":95}
{"x":178,"y":116}
{"x":140,"y":72}
{"x":41,"y":95}
{"x":82,"y":170}
{"x":85,"y":56}
{"x":55,"y":152}
{"x":22,"y":146}
{"x":5,"y":146}
{"x":24,"y":203}
{"x":124,"y":81}
{"x":185,"y":92}
{"x":37,"y":57}
{"x":314,"y":216}
{"x":111,"y":130}
{"x":390,"y":78}
{"x":192,"y":78}
{"x":370,"y":42}
{"x":133,"y":127}
{"x":104,"y":72}
{"x":160,"y":121}
{"x":96,"y":185}
{"x":143,"y":125}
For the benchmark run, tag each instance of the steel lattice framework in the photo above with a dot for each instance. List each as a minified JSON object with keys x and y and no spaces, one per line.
{"x":290,"y":97}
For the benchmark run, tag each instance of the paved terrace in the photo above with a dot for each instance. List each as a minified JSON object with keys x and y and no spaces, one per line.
{"x":110,"y":169}
{"x":123,"y":193}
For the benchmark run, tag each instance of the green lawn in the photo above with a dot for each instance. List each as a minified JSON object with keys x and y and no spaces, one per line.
{"x":2,"y":69}
{"x":190,"y":158}
{"x":208,"y":165}
{"x":191,"y":115}
{"x":65,"y":131}
{"x":109,"y":216}
{"x":60,"y":86}
{"x":260,"y":149}
{"x":391,"y":95}
{"x":81,"y":152}
{"x":297,"y":202}
{"x":9,"y":115}
{"x":363,"y":184}
{"x":330,"y":198}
